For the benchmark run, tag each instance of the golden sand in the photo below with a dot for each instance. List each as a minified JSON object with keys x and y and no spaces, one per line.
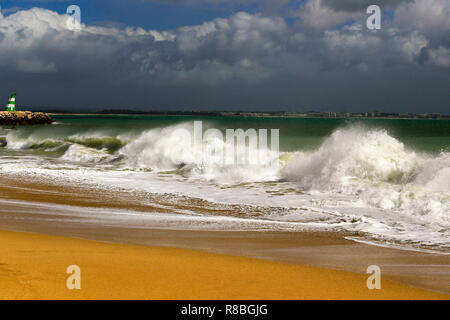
{"x":33,"y":266}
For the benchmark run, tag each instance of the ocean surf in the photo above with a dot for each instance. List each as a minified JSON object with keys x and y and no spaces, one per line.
{"x":384,"y":180}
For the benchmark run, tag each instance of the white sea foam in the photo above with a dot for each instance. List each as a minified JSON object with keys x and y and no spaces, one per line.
{"x":171,"y":148}
{"x":377,"y":169}
{"x":78,"y":153}
{"x":359,"y":179}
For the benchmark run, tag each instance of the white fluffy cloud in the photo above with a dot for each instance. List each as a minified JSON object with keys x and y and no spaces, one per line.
{"x":317,"y":15}
{"x":425,"y":16}
{"x":361,"y":5}
{"x":253,"y":54}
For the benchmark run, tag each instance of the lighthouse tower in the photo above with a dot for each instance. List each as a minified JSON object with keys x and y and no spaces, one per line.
{"x":11,"y":106}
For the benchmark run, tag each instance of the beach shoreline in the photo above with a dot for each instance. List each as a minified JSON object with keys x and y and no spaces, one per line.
{"x":26,"y":207}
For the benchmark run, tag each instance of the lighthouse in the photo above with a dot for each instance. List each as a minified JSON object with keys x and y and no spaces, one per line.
{"x":11,"y":106}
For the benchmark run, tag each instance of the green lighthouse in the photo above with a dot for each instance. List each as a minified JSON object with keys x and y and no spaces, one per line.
{"x":11,"y":106}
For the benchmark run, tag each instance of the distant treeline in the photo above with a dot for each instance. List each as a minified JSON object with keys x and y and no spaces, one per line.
{"x":127,"y":111}
{"x":286,"y":114}
{"x":181,"y":113}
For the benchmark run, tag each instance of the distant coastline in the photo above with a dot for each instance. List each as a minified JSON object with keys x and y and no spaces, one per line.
{"x":266,"y":114}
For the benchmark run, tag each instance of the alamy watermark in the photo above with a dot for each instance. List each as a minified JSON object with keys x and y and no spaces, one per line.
{"x":374,"y":20}
{"x":374,"y":281}
{"x":240,"y":147}
{"x":74,"y":20}
{"x":73,"y":282}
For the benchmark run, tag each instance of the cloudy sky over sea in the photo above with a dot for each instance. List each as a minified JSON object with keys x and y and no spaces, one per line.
{"x":227,"y":55}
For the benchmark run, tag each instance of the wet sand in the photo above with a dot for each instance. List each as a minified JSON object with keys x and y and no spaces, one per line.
{"x":285,"y":249}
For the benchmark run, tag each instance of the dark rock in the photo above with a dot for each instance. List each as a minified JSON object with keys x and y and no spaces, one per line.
{"x":13,"y":118}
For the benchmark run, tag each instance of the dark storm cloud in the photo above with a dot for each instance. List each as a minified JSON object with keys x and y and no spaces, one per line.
{"x":358,"y":5}
{"x":246,"y":61}
{"x":267,"y":6}
{"x":341,"y":5}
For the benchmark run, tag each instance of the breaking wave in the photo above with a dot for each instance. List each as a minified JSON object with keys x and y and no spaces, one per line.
{"x":99,"y":142}
{"x":172,"y":148}
{"x":370,"y":172}
{"x":377,"y":169}
{"x":349,"y":159}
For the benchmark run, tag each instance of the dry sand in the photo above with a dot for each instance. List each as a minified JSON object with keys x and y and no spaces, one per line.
{"x":34,"y":266}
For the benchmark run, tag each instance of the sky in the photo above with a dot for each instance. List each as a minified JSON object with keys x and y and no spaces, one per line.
{"x":265,"y":55}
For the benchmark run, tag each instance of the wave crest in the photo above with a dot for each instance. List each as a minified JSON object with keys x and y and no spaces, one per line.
{"x":378,"y":170}
{"x":172,"y":148}
{"x":353,"y":154}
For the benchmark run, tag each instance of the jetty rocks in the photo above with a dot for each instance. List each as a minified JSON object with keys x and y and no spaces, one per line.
{"x":13,"y":118}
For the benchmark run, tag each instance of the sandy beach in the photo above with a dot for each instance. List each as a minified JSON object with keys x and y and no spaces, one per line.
{"x":144,"y":262}
{"x":34,"y":267}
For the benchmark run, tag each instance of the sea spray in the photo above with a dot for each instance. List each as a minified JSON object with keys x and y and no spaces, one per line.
{"x":354,"y":154}
{"x":206,"y":155}
{"x":377,"y":181}
{"x":377,"y":169}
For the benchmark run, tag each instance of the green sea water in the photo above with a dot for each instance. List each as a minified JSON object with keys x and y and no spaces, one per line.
{"x":295,"y":133}
{"x":386,"y":178}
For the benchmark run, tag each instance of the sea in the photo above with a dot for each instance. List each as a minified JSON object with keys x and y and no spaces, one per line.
{"x":385,"y":181}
